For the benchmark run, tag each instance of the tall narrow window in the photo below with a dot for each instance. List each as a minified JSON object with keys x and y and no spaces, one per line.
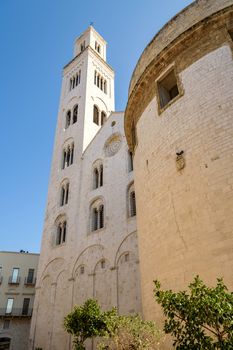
{"x":61,"y":232}
{"x":64,"y":194}
{"x":105,"y":86}
{"x":131,"y":201}
{"x":101,"y":216}
{"x":30,"y":276}
{"x":95,"y":77}
{"x":95,"y":220}
{"x":67,"y":193}
{"x":75,"y":114}
{"x":25,"y":309}
{"x":15,"y":276}
{"x":96,"y":178}
{"x":96,"y":115}
{"x":68,"y":156}
{"x":132,"y":204}
{"x":9,"y":305}
{"x":68,"y":119}
{"x":79,"y":77}
{"x":97,"y":215}
{"x":103,"y":117}
{"x":130,"y":161}
{"x":101,"y":175}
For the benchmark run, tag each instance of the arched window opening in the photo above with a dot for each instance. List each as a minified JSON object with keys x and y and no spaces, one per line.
{"x":96,"y":115}
{"x":95,"y":78}
{"x":130,"y":161}
{"x":64,"y":159}
{"x":96,"y":178}
{"x":68,"y":156}
{"x":95,"y":220}
{"x":67,"y":193}
{"x":103,"y":117}
{"x":98,"y":80}
{"x":75,"y":114}
{"x":132,"y":203}
{"x":76,"y":79}
{"x":101,"y":84}
{"x":102,"y":264}
{"x":61,"y":232}
{"x":101,"y":216}
{"x":101,"y":175}
{"x":105,"y":86}
{"x":68,"y":119}
{"x":97,"y":215}
{"x":64,"y":194}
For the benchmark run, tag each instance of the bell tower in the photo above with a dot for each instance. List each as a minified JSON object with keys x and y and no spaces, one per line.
{"x":88,"y":79}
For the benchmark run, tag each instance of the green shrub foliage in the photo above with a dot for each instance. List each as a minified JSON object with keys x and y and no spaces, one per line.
{"x":201,"y":319}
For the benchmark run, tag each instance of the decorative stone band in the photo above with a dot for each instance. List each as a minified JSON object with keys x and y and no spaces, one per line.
{"x":182,"y":41}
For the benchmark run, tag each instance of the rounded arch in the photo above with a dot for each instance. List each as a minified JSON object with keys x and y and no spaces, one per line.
{"x":72,"y":101}
{"x":68,"y":142}
{"x":103,"y":259}
{"x":100,"y":246}
{"x":103,"y":102}
{"x":51,"y":268}
{"x":120,"y":246}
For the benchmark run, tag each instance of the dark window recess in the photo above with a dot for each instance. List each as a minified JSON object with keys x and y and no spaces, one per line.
{"x":95,"y":115}
{"x":167,"y":89}
{"x":26,"y":302}
{"x":30,"y":276}
{"x":6,"y":324}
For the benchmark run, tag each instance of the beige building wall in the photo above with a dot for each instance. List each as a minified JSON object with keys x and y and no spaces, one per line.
{"x":100,"y":263}
{"x":15,"y":320}
{"x":184,"y":199}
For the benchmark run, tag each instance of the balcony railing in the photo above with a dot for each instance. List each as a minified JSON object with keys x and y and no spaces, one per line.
{"x":16,"y":312}
{"x":28,"y":281}
{"x":14,"y":280}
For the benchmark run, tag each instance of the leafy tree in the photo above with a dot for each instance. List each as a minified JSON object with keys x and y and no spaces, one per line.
{"x":87,"y":321}
{"x":202,"y":319}
{"x":131,"y":333}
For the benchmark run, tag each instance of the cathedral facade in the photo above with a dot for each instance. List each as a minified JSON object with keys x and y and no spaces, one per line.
{"x":179,"y":130}
{"x":89,"y":245}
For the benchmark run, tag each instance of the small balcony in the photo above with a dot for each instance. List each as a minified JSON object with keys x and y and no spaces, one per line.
{"x":14,"y":280}
{"x":28,"y":281}
{"x":16,"y":312}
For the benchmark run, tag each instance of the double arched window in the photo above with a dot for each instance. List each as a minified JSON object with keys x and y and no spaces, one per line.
{"x":64,"y":193}
{"x":131,"y":198}
{"x":71,"y":118}
{"x":98,"y":176}
{"x":61,"y":231}
{"x":68,"y":156}
{"x":99,"y":117}
{"x":97,"y":215}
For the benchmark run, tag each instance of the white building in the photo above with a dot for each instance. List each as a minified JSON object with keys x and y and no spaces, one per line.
{"x":89,"y":245}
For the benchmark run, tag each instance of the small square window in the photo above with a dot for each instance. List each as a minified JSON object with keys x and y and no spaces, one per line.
{"x":167,"y":88}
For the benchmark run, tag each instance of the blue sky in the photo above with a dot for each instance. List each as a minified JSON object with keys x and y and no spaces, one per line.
{"x":36,"y":41}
